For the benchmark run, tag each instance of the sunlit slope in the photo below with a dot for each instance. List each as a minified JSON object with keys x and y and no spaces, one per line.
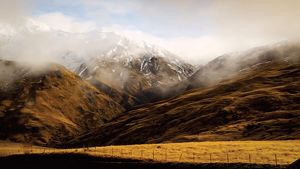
{"x":49,"y":105}
{"x":258,"y":104}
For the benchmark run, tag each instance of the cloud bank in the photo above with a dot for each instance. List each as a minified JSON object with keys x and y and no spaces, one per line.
{"x":197,"y":31}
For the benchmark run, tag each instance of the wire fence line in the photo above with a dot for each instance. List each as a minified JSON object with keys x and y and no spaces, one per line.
{"x":182,"y":155}
{"x":167,"y":155}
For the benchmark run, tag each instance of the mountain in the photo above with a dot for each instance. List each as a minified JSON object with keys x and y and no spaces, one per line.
{"x":131,"y":67}
{"x":257,"y":103}
{"x":228,"y":65}
{"x":225,"y":67}
{"x":120,"y":52}
{"x":50,"y":104}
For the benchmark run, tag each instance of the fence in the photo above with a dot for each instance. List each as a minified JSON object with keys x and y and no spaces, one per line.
{"x":168,"y":155}
{"x":196,"y":157}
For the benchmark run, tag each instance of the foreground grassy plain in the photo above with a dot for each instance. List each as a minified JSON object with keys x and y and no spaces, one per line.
{"x":259,"y":152}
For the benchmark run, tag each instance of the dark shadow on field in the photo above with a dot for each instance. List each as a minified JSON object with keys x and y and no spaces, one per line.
{"x":66,"y":161}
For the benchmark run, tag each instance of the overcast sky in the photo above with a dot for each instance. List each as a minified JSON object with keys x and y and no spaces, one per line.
{"x":196,"y":30}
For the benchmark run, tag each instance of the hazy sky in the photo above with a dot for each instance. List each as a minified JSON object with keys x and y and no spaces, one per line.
{"x":196,"y":30}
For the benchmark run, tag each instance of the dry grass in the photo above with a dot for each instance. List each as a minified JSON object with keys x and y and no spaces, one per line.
{"x":260,"y":152}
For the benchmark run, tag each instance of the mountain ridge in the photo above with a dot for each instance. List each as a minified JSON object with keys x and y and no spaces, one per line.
{"x":49,"y":106}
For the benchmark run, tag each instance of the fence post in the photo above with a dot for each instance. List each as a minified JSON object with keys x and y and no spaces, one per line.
{"x":227,"y":158}
{"x":166,"y":155}
{"x":142,"y":154}
{"x":153,"y":154}
{"x":180,"y":156}
{"x":275,"y":159}
{"x":194,"y":157}
{"x":249,"y":158}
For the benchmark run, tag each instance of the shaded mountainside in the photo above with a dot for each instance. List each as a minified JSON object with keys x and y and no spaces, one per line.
{"x":49,"y":106}
{"x":259,"y":104}
{"x":121,"y":97}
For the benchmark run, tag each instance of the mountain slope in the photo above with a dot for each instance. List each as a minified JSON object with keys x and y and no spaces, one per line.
{"x":225,"y":67}
{"x":49,"y":105}
{"x":258,"y":104}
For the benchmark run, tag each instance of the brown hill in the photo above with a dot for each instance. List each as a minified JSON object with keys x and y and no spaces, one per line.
{"x":49,"y":106}
{"x":261,"y":103}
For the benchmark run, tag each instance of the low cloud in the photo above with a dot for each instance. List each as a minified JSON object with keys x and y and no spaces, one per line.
{"x":202,"y":30}
{"x":197,"y":31}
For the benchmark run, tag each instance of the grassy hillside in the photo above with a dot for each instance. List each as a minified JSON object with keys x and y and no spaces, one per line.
{"x":49,"y":105}
{"x":261,"y":103}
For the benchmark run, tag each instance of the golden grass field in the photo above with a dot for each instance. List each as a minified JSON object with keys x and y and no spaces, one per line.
{"x":260,"y":152}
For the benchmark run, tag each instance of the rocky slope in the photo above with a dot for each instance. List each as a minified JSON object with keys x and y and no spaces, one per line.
{"x":225,"y":67}
{"x":49,"y":105}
